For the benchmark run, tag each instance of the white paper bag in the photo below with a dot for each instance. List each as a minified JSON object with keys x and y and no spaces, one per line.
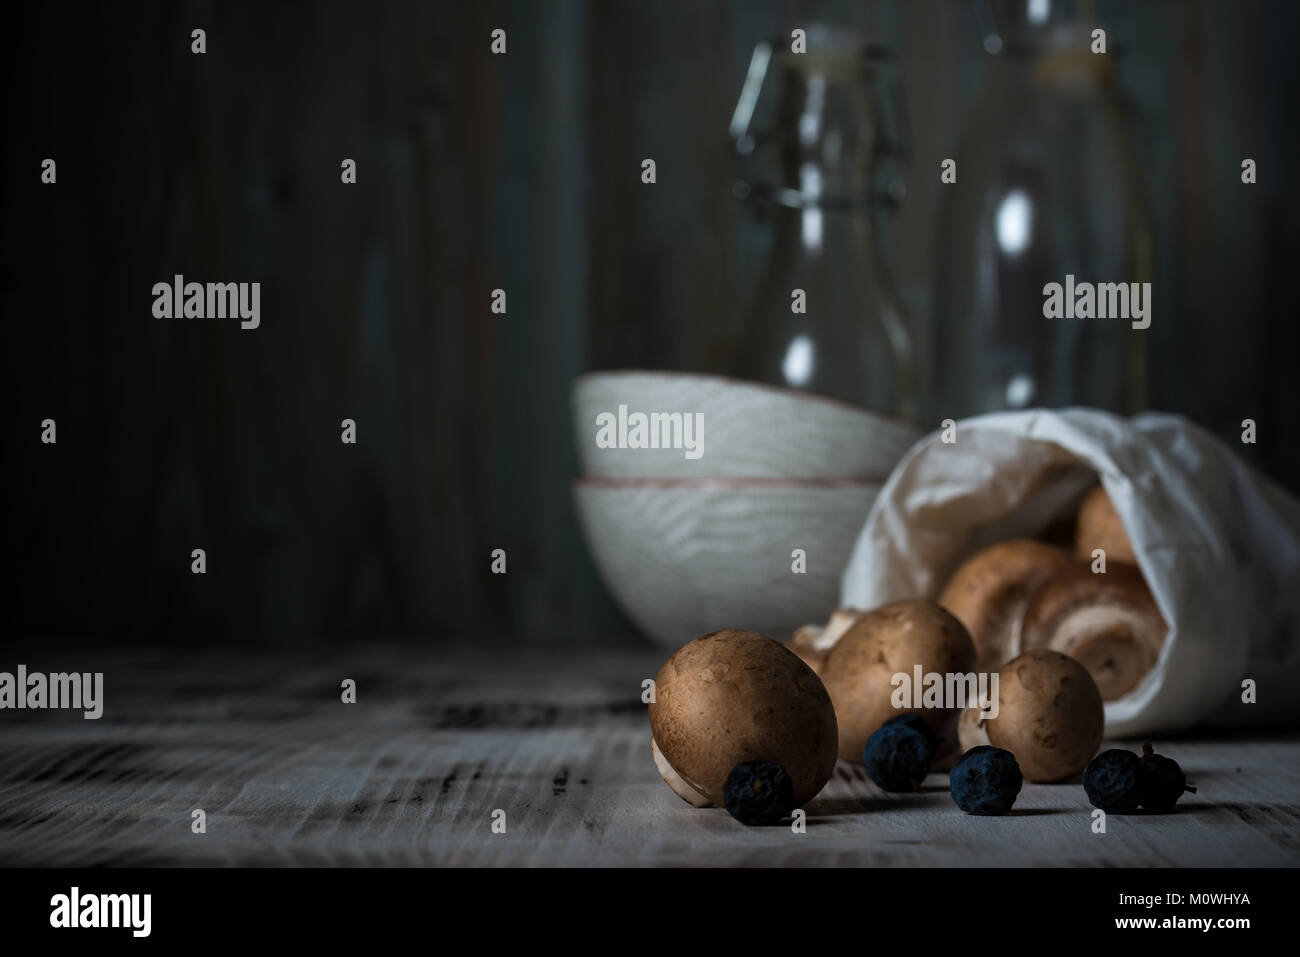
{"x":1218,"y":543}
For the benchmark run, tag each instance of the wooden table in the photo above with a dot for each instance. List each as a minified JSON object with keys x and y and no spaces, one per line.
{"x":411,"y":775}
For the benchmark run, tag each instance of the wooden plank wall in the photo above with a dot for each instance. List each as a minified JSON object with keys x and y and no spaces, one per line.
{"x":478,"y":172}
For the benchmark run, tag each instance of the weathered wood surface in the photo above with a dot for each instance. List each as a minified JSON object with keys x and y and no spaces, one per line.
{"x":410,"y":775}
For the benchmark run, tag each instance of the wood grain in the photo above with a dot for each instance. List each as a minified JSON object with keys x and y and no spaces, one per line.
{"x":411,"y":774}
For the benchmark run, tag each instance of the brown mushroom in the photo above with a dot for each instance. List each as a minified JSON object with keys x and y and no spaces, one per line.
{"x":1108,"y":622}
{"x":893,"y":640}
{"x":1099,"y":526}
{"x":1049,"y":715}
{"x":989,"y":591}
{"x":734,"y":696}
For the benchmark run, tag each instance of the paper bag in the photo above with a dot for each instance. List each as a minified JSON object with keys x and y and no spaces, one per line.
{"x":1218,"y":544}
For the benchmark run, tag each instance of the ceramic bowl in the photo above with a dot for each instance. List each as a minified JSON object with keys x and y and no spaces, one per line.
{"x":686,"y":557}
{"x":748,"y":430}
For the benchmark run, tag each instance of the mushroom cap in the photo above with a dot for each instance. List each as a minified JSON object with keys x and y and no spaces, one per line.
{"x":1099,"y":526}
{"x":1107,"y":622}
{"x":891,"y":640}
{"x":988,"y":593}
{"x":1050,"y":715}
{"x":734,"y":696}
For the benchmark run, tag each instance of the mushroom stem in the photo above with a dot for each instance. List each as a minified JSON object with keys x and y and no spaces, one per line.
{"x":1108,"y":622}
{"x":680,"y":786}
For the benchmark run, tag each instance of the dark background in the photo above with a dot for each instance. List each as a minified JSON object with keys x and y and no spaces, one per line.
{"x":476,"y":172}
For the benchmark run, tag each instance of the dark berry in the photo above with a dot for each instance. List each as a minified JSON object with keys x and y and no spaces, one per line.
{"x":758,"y":792}
{"x":918,"y":723}
{"x":897,"y":757}
{"x":1161,"y":781}
{"x":1112,"y":780}
{"x":986,"y":780}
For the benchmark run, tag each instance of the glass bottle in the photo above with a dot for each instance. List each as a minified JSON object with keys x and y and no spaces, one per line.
{"x":1046,"y":187}
{"x":823,"y":315}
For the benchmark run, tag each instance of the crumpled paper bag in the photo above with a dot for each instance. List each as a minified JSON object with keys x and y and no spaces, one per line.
{"x":1218,"y":543}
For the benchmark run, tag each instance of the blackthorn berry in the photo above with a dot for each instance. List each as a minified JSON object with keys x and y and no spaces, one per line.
{"x":758,"y":792}
{"x":1112,"y":780}
{"x":918,"y":723}
{"x":1161,"y":780}
{"x":897,"y":756}
{"x":986,"y":780}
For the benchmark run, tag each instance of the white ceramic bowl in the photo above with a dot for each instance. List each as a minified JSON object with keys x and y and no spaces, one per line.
{"x":687,"y":557}
{"x":750,"y":430}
